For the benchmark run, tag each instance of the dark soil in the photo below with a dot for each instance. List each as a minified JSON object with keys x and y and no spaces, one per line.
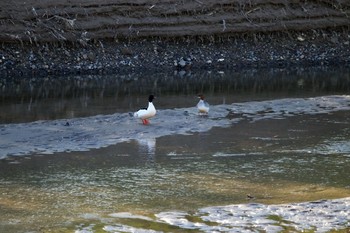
{"x":83,"y":20}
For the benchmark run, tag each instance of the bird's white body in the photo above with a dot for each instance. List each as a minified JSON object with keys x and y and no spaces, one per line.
{"x":203,"y":106}
{"x":145,"y":114}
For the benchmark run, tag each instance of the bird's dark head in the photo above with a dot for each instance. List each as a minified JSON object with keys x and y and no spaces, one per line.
{"x":200,"y":96}
{"x":150,"y":98}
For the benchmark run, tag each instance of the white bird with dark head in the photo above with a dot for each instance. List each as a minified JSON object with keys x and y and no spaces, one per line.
{"x":145,"y":113}
{"x":203,"y":106}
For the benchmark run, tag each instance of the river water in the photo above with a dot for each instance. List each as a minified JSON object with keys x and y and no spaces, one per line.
{"x":273,"y":154}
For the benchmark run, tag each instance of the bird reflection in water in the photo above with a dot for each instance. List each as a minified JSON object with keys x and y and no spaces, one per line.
{"x":147,"y":148}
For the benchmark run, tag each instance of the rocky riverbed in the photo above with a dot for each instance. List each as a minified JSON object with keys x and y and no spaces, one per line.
{"x":319,"y":47}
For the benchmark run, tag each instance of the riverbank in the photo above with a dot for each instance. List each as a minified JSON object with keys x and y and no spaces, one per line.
{"x":186,"y":54}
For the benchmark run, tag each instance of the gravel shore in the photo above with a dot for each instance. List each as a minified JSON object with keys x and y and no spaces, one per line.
{"x":179,"y":54}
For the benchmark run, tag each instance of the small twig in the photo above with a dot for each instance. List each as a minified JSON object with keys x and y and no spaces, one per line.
{"x":251,"y":11}
{"x":101,"y":44}
{"x":69,"y":22}
{"x":246,"y":16}
{"x":58,"y":36}
{"x":223,"y":25}
{"x":34,"y":11}
{"x":29,"y":36}
{"x":15,"y":37}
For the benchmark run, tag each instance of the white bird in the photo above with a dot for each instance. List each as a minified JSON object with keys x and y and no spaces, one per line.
{"x":145,"y":113}
{"x":203,"y":106}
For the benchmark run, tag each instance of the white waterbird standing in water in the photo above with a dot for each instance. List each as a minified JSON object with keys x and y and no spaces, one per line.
{"x":145,"y":113}
{"x":203,"y":106}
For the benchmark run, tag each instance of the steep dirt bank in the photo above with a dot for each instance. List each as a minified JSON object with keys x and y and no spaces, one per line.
{"x":63,"y":36}
{"x":80,"y":21}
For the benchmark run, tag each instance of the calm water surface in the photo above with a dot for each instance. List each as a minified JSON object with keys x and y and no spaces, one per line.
{"x":302,"y":158}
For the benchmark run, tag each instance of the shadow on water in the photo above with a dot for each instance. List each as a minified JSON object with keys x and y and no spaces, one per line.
{"x":30,"y":99}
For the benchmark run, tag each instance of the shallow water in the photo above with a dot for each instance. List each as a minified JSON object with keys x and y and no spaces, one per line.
{"x":284,"y":148}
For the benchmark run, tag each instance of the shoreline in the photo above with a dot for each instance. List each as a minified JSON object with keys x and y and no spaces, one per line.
{"x":314,"y":48}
